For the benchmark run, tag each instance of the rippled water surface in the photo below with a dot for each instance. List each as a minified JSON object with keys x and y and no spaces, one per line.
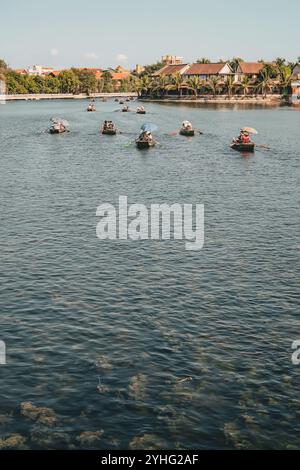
{"x":143,"y":344}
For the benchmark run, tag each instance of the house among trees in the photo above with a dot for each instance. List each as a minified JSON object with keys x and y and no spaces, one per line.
{"x":21,"y":71}
{"x":207,"y":71}
{"x":97,"y":72}
{"x":169,"y":71}
{"x":119,"y":74}
{"x":248,"y":69}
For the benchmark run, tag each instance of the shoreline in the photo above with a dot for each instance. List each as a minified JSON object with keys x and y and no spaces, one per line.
{"x":64,"y":96}
{"x":269,"y":101}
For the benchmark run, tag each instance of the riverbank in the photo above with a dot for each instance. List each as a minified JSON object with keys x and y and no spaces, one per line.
{"x":270,"y":100}
{"x":64,"y":96}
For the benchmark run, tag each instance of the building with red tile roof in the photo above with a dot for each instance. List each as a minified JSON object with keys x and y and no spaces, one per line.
{"x":97,"y":72}
{"x":250,"y":68}
{"x":206,"y":71}
{"x":21,"y":71}
{"x":170,"y":70}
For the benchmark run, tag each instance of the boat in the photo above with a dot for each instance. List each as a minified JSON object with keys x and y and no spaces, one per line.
{"x":91,"y":108}
{"x":55,"y":129}
{"x":58,"y":126}
{"x":187,"y":129}
{"x":187,"y":132}
{"x":145,"y":140}
{"x":108,"y":128}
{"x":240,"y":147}
{"x":109,"y":131}
{"x":141,"y":110}
{"x":144,"y":144}
{"x":125,"y":109}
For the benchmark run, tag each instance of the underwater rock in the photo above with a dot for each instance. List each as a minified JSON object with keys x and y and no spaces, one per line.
{"x":90,"y":438}
{"x":148,"y":442}
{"x":14,"y":441}
{"x":47,"y":439}
{"x":5,"y":419}
{"x":42,"y":415}
{"x":137,"y":386}
{"x":103,"y":362}
{"x":29,"y":411}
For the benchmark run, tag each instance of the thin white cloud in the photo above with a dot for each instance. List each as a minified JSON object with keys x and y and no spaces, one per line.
{"x":91,"y":55}
{"x":54,"y":52}
{"x":122,"y":58}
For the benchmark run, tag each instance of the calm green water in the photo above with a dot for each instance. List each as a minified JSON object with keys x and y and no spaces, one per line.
{"x":193,"y":349}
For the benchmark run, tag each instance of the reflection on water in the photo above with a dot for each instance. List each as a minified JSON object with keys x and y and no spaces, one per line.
{"x":142,"y":344}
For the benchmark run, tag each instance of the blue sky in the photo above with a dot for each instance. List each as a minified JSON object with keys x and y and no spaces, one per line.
{"x":99,"y":33}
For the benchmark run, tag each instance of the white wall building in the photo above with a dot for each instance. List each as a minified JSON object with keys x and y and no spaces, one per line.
{"x":39,"y":70}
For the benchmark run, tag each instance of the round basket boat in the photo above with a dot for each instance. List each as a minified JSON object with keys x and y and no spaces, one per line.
{"x":240,"y":147}
{"x":187,"y":133}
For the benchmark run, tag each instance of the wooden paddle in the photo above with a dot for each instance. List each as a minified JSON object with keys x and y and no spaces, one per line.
{"x":262,"y":146}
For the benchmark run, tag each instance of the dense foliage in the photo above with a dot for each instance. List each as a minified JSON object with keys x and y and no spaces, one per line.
{"x":275,"y":77}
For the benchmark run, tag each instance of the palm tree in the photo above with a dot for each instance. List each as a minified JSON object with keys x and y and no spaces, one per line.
{"x":145,"y":84}
{"x":203,"y":60}
{"x":162,"y":85}
{"x":265,"y":82}
{"x":230,"y":84}
{"x":285,"y":79}
{"x":280,"y":62}
{"x":245,"y":84}
{"x":194,"y":84}
{"x":214,"y":84}
{"x":234,"y":63}
{"x":137,"y":86}
{"x":177,"y":84}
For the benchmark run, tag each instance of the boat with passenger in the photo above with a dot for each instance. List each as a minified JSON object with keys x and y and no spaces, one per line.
{"x":187,"y":129}
{"x":243,"y":142}
{"x":146,"y":139}
{"x":141,"y":110}
{"x":58,"y":126}
{"x":108,"y":128}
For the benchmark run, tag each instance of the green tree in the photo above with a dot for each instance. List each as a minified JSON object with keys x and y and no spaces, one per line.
{"x":146,"y":84}
{"x":51,"y":84}
{"x":69,"y":82}
{"x":234,"y":63}
{"x":108,"y":86}
{"x":214,"y":84}
{"x":285,"y":79}
{"x":280,"y":62}
{"x":245,"y":84}
{"x":203,"y":60}
{"x":230,"y":85}
{"x":160,"y":86}
{"x":265,"y":81}
{"x":177,"y":83}
{"x":194,"y":83}
{"x":137,"y":86}
{"x":15,"y":83}
{"x":87,"y":80}
{"x":152,"y":68}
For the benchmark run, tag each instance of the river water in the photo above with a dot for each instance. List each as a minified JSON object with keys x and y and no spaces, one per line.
{"x":142,"y":344}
